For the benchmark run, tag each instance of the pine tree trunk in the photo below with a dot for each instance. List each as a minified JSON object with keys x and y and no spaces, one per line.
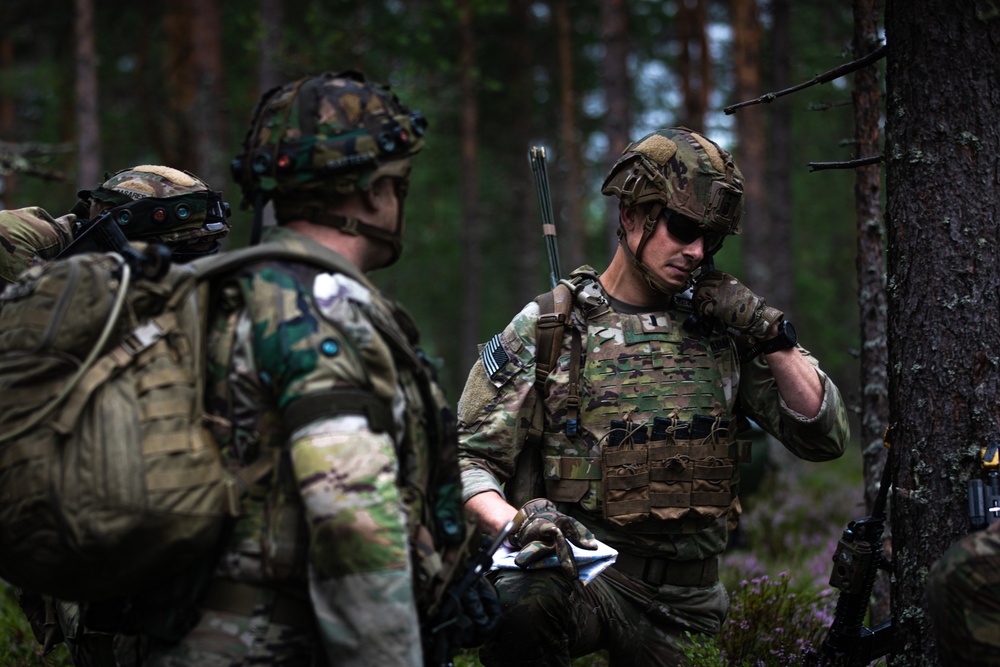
{"x":617,"y":94}
{"x":88,"y":124}
{"x":779,"y":162}
{"x":871,"y":272}
{"x":942,"y":140}
{"x":471,"y":232}
{"x":571,"y":221}
{"x":209,"y":124}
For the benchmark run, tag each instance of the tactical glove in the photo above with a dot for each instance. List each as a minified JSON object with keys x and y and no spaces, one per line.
{"x":722,"y":297}
{"x":540,"y":531}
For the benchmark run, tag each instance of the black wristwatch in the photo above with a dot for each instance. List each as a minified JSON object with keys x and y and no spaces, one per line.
{"x":786,"y":338}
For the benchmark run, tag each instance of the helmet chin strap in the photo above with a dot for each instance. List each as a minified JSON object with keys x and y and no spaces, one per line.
{"x":655,"y":282}
{"x":353,"y":226}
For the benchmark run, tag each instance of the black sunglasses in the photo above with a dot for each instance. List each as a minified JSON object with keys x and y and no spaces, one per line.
{"x":686,"y":230}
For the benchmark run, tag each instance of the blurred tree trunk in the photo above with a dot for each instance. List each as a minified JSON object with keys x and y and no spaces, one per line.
{"x":206,"y":112}
{"x":471,"y":233}
{"x":693,"y":40}
{"x":88,"y":125}
{"x":617,"y":94}
{"x":568,"y":216}
{"x":762,"y":242}
{"x":871,"y":270}
{"x":180,"y":87}
{"x":943,"y":185}
{"x":778,"y":207}
{"x":272,"y":20}
{"x":528,"y":257}
{"x":9,"y":182}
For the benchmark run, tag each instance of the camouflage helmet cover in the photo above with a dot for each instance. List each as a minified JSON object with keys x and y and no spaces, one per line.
{"x":330,"y":134}
{"x":163,"y":205}
{"x":685,"y":172}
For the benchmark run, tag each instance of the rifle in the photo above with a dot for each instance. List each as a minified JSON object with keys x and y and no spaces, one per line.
{"x":537,"y":157}
{"x":855,"y":565}
{"x":441,"y":648}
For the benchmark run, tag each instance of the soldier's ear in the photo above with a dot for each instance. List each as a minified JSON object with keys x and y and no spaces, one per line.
{"x":631,"y":217}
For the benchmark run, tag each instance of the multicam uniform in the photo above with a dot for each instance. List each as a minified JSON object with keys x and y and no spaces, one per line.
{"x":963,"y":590}
{"x":319,"y":373}
{"x":666,"y":505}
{"x":29,"y":236}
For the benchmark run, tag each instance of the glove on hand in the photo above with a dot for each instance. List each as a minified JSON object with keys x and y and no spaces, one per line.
{"x":722,"y":297}
{"x":479,"y":618}
{"x":540,"y":531}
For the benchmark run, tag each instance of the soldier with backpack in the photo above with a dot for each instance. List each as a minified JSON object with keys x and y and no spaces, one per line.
{"x":608,"y":410}
{"x":347,"y":544}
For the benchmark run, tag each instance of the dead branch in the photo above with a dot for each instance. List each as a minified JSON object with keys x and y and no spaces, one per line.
{"x":835,"y":73}
{"x":850,"y":164}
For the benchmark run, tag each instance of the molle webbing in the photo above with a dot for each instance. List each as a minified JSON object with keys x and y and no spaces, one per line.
{"x":554,"y":314}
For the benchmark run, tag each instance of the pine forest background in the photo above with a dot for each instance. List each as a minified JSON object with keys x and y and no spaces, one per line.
{"x":894,"y":288}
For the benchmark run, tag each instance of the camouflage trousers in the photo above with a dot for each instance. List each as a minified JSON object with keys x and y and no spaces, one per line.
{"x":548,"y":619}
{"x":963,"y":591}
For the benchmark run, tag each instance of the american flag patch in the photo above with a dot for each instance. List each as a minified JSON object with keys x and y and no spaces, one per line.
{"x":494,"y":356}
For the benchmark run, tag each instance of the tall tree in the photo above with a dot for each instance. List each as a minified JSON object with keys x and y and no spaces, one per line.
{"x":871,"y":268}
{"x":87,"y":118}
{"x":943,"y":185}
{"x":471,"y":232}
{"x":569,"y":141}
{"x":176,"y":131}
{"x":206,"y":113}
{"x":272,"y":19}
{"x":526,"y":215}
{"x":762,"y":242}
{"x":694,"y":64}
{"x":779,"y":162}
{"x":617,"y":86}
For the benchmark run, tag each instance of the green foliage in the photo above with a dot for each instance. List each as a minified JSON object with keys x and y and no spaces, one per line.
{"x":18,"y":647}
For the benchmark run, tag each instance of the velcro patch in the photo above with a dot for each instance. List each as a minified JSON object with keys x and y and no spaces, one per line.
{"x":494,"y":356}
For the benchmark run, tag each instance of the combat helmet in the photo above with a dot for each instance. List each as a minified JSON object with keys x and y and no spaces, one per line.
{"x":326,"y":136}
{"x":679,"y":171}
{"x":158,"y":204}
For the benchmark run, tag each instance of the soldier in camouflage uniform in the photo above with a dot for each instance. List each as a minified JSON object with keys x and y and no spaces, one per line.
{"x":147,"y":202}
{"x":151,"y":203}
{"x":638,"y":419}
{"x":963,"y":594}
{"x":342,"y":550}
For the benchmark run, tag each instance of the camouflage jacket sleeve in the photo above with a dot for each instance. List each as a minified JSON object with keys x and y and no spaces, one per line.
{"x":821,"y":438}
{"x":496,"y":406}
{"x":312,"y":338}
{"x":28,"y":236}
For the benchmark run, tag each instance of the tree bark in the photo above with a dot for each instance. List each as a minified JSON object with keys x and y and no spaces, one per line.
{"x":88,"y":124}
{"x":180,"y":86}
{"x":617,"y":94}
{"x":471,"y":232}
{"x":943,"y":284}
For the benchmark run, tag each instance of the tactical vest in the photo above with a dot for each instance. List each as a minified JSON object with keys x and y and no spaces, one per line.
{"x":639,"y":429}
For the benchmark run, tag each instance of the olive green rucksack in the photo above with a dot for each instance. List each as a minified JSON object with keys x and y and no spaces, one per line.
{"x":109,"y":481}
